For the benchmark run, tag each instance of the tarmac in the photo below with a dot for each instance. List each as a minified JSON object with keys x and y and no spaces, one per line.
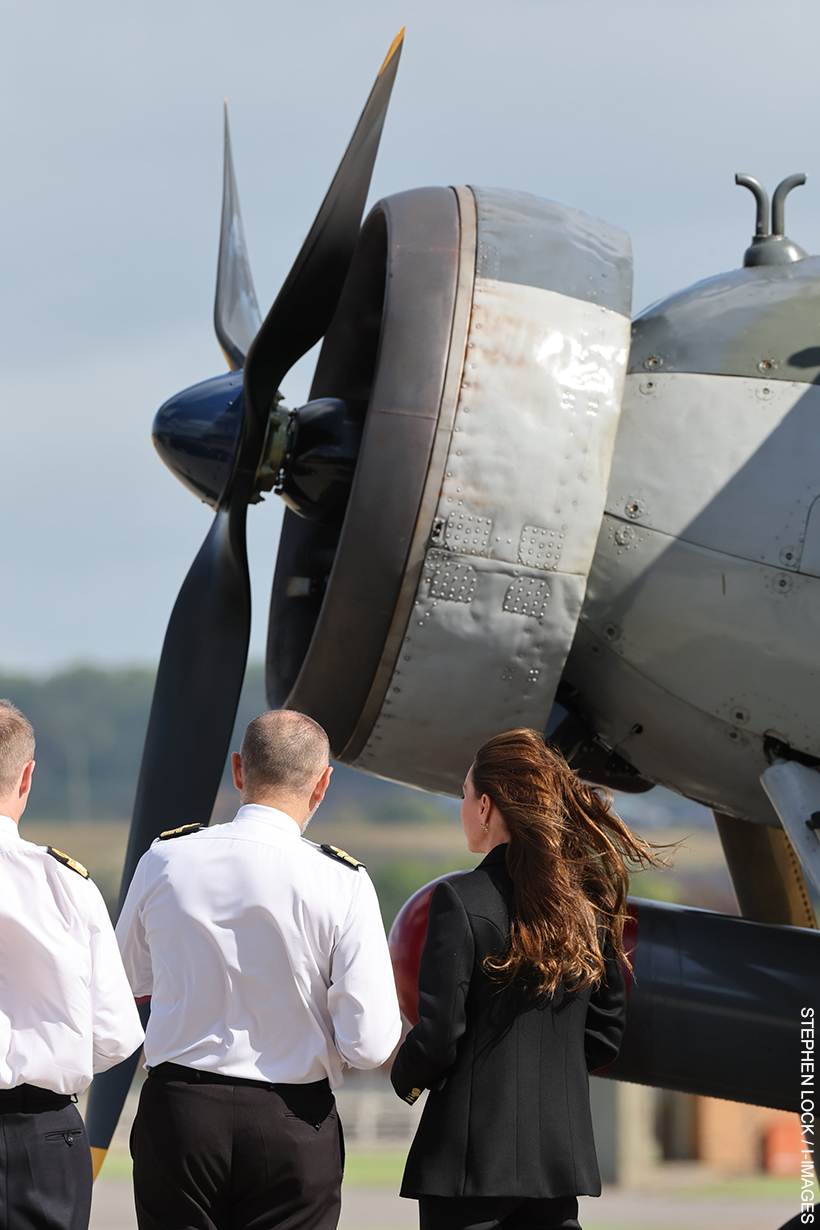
{"x":616,"y":1209}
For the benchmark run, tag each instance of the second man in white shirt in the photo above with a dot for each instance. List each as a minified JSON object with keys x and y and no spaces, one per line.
{"x":267,"y":964}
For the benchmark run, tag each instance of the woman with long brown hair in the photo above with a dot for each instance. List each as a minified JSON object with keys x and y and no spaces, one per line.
{"x":520,"y":995}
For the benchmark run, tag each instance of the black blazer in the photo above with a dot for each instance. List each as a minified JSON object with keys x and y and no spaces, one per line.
{"x":508,"y":1111}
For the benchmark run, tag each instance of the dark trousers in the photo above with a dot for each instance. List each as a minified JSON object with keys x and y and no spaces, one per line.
{"x":488,"y":1212}
{"x":213,"y":1154}
{"x":45,"y":1162}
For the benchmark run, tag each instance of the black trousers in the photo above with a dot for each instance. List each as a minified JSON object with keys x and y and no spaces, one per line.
{"x":213,"y":1154}
{"x":45,"y":1162}
{"x":488,"y":1212}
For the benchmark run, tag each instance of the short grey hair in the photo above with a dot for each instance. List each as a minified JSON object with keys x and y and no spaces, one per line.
{"x":283,"y":750}
{"x":16,"y":745}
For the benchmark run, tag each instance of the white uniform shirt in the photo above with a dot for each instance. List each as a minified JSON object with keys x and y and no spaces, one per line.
{"x":66,"y":1010}
{"x":265,"y":958}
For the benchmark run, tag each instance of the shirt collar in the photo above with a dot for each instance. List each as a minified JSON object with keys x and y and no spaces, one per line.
{"x":8,"y":827}
{"x":269,"y":816}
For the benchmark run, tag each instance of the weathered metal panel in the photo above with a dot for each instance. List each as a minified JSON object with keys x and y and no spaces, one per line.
{"x":749,"y":322}
{"x":702,"y":617}
{"x":726,"y":462}
{"x":529,"y":455}
{"x":533,"y":242}
{"x":735,"y":638}
{"x":469,"y":667}
{"x":669,"y":741}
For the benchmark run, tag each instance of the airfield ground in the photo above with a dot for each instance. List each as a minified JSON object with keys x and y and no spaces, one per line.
{"x":679,"y":1199}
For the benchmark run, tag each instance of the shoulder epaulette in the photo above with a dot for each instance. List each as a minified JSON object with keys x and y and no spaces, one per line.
{"x":68,"y":862}
{"x":341,"y":855}
{"x":182,"y":831}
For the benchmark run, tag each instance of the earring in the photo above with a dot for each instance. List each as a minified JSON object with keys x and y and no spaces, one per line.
{"x":486,"y":828}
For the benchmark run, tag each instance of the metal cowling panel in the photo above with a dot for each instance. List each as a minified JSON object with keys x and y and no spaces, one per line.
{"x":521,"y":495}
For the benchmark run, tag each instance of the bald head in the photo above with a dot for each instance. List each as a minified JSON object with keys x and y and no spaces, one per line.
{"x":283,"y":754}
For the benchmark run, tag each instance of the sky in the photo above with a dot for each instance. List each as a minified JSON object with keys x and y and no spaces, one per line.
{"x":111,"y":141}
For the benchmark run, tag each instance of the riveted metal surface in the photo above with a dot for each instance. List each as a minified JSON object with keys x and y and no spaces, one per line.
{"x":726,"y":462}
{"x":464,"y":532}
{"x":525,"y":239}
{"x":711,"y":646}
{"x":668,"y":740}
{"x":439,"y":711}
{"x":531,"y":446}
{"x":688,"y":617}
{"x":536,"y":419}
{"x":702,"y":607}
{"x":540,"y":547}
{"x":749,"y":322}
{"x":448,"y":578}
{"x":527,"y":596}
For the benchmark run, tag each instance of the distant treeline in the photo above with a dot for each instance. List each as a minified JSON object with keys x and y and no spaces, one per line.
{"x":90,"y":726}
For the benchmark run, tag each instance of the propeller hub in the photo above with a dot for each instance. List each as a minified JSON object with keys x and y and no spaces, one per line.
{"x":317,"y":470}
{"x":309,"y":455}
{"x":197,"y":431}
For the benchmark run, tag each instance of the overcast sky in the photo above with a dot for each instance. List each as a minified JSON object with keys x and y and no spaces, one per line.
{"x":639,"y":112}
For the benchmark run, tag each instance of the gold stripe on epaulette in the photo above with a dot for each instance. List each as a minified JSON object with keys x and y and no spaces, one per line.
{"x":182,"y":831}
{"x":341,"y":855}
{"x":68,"y":862}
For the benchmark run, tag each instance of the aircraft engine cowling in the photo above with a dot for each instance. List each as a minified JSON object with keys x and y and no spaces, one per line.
{"x":481,"y":339}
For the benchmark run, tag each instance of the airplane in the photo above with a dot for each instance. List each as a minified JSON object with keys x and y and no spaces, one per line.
{"x":508,"y":504}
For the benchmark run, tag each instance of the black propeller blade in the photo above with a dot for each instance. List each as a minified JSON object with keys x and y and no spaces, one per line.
{"x":236,"y":311}
{"x":205,"y":651}
{"x":197,"y":691}
{"x":304,"y":307}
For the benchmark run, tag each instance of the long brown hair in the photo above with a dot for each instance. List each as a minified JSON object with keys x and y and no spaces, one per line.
{"x":567,"y":856}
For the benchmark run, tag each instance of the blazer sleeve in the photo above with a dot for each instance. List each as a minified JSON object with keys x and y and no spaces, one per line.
{"x":444,"y":979}
{"x":606,"y":1015}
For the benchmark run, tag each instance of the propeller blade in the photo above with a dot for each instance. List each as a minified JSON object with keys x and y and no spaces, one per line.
{"x":197,"y":690}
{"x":189,"y":732}
{"x":236,"y":311}
{"x":304,"y":307}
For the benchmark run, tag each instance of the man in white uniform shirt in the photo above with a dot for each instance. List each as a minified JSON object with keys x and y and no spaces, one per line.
{"x":267,"y":964}
{"x":66,"y":1010}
